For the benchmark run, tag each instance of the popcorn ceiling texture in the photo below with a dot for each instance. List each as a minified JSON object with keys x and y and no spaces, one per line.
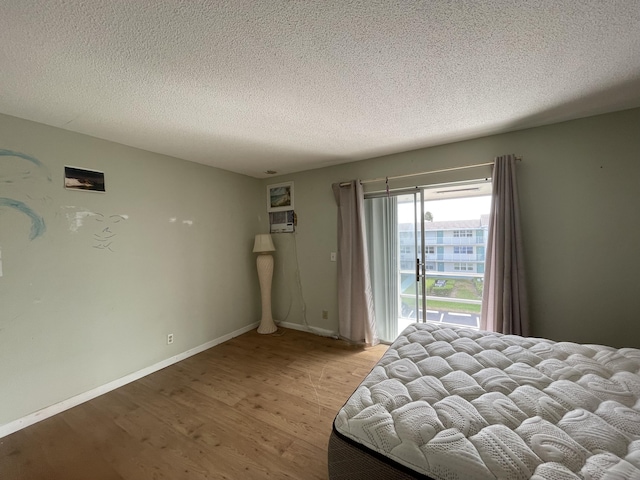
{"x":290,"y":85}
{"x":454,"y":404}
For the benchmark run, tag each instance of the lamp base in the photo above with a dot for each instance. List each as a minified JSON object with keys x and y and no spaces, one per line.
{"x":264,"y":263}
{"x":267,"y":326}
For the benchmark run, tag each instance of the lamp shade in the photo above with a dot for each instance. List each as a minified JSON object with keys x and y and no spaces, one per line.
{"x":263,"y":243}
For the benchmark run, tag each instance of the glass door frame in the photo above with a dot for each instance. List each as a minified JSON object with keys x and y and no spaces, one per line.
{"x":419,"y":237}
{"x":421,"y":266}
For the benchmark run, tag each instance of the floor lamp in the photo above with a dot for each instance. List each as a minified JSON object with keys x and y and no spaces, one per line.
{"x":263,"y":246}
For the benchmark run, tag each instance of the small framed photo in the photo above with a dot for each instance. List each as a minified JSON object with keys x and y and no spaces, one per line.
{"x":280,"y":197}
{"x":81,"y":179}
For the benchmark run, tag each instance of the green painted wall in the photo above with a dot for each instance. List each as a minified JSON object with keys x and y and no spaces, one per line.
{"x":579,"y":192}
{"x":73,"y":316}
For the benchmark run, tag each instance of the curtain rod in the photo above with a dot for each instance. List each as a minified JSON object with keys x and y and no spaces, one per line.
{"x":408,"y":175}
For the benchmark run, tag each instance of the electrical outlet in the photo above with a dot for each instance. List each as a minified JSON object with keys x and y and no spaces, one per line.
{"x":170,"y":339}
{"x":333,"y":256}
{"x":325,"y":314}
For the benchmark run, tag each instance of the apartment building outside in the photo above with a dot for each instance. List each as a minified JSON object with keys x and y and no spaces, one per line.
{"x":455,"y":253}
{"x":450,"y":246}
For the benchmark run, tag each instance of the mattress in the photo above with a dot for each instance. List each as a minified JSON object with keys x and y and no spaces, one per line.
{"x":451,"y":403}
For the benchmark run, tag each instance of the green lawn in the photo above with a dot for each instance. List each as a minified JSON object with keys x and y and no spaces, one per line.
{"x":453,"y":307}
{"x":444,"y":305}
{"x":468,"y":289}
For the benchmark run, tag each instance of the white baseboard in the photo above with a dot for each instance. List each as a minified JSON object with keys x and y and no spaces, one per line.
{"x":24,"y":422}
{"x":304,"y":328}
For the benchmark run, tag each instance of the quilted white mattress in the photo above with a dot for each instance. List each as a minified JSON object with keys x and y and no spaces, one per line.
{"x":453,"y":403}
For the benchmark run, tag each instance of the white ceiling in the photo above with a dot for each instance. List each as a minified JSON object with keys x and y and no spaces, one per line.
{"x":291,"y":85}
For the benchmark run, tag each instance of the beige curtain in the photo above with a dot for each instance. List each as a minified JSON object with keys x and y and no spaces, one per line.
{"x":355,"y":301}
{"x":505,"y":305}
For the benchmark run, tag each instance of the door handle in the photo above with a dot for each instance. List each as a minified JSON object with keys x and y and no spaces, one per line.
{"x":417,"y":269}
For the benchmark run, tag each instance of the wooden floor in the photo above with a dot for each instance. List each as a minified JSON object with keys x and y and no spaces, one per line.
{"x":257,"y":406}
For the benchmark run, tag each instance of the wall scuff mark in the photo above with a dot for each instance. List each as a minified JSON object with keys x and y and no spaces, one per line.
{"x":104,"y":239}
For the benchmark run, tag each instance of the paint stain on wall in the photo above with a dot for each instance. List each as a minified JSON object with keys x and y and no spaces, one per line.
{"x":184,"y":222}
{"x":38,"y":226}
{"x":43,"y":171}
{"x":76,"y":219}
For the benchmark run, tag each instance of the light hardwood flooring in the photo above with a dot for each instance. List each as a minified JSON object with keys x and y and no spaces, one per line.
{"x":257,"y":406}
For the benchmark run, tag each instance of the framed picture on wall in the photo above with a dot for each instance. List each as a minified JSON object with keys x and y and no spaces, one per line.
{"x":82,"y":179}
{"x":280,"y":197}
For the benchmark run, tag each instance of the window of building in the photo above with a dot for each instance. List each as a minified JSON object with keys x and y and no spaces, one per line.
{"x":463,"y":233}
{"x":464,"y":250}
{"x":406,"y":249}
{"x":463,"y":267}
{"x":429,"y":250}
{"x":407,"y":265}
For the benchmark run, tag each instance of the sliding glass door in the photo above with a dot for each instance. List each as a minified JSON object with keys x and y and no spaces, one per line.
{"x":455,"y":246}
{"x":412,"y":258}
{"x":426,"y":253}
{"x":396,"y":259}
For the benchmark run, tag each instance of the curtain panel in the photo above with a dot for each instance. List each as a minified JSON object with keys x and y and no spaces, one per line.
{"x":505,"y":303}
{"x":355,"y":302}
{"x":382,"y":242}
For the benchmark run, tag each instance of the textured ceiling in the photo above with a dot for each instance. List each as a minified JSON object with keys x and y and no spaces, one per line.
{"x":251,"y":86}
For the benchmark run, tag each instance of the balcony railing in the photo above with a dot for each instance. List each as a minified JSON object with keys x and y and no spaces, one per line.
{"x":446,"y":257}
